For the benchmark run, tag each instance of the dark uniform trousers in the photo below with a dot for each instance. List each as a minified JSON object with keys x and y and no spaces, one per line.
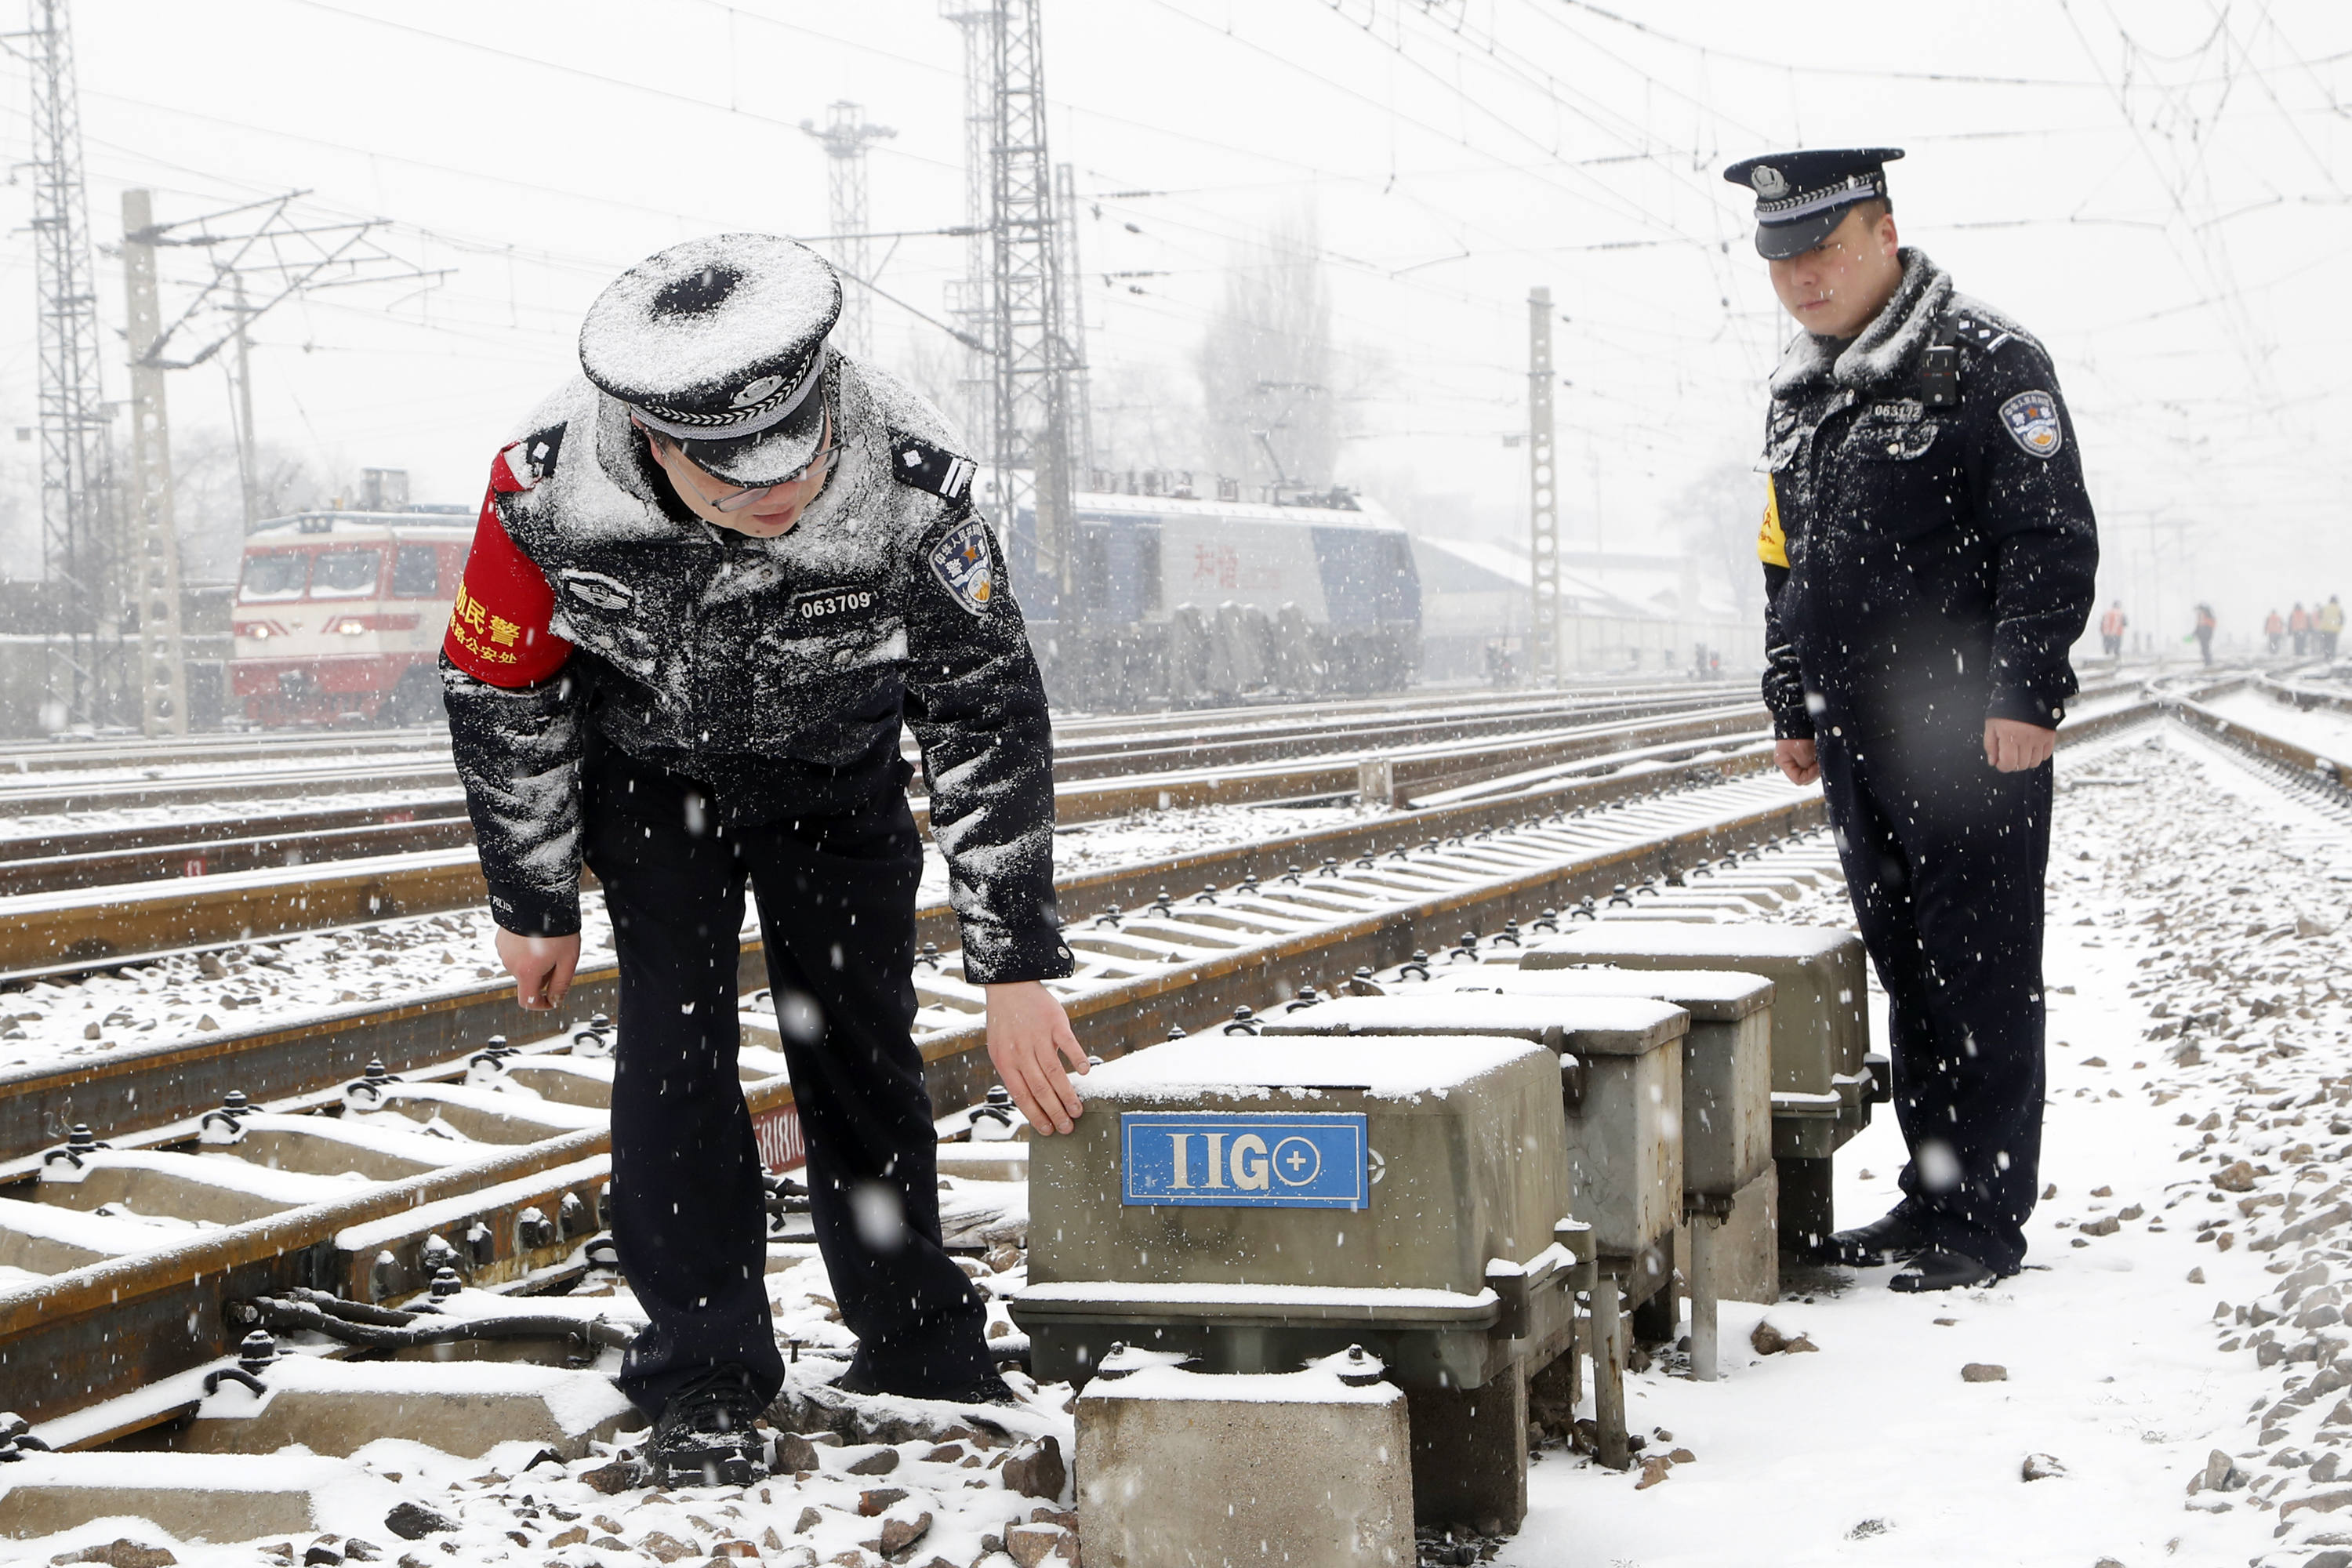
{"x":1944,"y":856}
{"x":836,"y":899}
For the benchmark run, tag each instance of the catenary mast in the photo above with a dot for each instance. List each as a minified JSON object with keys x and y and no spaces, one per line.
{"x":78,"y":549}
{"x":1543,"y":500}
{"x":1032,"y":447}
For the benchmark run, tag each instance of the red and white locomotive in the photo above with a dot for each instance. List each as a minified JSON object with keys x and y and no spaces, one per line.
{"x":340,"y":615}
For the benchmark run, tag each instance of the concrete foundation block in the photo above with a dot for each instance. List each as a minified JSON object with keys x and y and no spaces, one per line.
{"x":336,"y":1406}
{"x":1470,"y":1454}
{"x":1179,"y":1469}
{"x":191,"y":1497}
{"x":1747,"y":1245}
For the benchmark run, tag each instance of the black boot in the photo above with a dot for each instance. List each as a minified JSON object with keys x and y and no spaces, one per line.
{"x":1888,"y":1239}
{"x":1936,"y":1269}
{"x":705,"y":1436}
{"x":990,"y":1389}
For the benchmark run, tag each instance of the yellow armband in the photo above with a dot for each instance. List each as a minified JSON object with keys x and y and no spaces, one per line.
{"x":1771,"y":544}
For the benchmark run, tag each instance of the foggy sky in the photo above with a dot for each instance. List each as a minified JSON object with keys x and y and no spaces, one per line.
{"x":2166,"y":206}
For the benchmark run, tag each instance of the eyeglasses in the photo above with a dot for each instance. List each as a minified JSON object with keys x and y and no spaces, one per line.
{"x":743,"y":499}
{"x":740,"y":499}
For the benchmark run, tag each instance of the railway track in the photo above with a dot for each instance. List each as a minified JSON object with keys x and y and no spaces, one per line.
{"x":514,"y":1199}
{"x":136,"y":753}
{"x":102,"y":902}
{"x":508,"y":1195}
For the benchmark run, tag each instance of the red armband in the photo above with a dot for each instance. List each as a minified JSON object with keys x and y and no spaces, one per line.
{"x":498,"y":629}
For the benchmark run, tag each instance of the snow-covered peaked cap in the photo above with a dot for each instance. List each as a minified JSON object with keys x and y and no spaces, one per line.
{"x":1801,"y":198}
{"x":720,"y":344}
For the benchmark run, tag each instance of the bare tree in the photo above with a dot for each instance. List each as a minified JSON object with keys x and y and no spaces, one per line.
{"x":940,"y":368}
{"x":20,"y":518}
{"x":209,"y":497}
{"x":1721,"y":511}
{"x":1148,"y":416}
{"x":1266,"y":364}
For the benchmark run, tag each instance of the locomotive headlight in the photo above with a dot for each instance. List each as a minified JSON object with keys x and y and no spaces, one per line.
{"x":350,"y":628}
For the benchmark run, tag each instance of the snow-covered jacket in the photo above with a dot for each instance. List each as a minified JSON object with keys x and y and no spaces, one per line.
{"x":775,"y":671}
{"x":1928,"y":546}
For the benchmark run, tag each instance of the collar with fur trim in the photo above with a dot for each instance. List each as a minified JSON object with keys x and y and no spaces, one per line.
{"x":1885,"y":348}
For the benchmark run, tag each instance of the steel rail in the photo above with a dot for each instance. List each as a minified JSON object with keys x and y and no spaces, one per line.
{"x":131,"y":752}
{"x":102,"y":855}
{"x":174,"y":1079}
{"x":1077,"y":756}
{"x":2294,"y":764}
{"x":66,"y":930}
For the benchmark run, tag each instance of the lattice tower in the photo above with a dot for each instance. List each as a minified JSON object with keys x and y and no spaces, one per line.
{"x":967,"y":300}
{"x":78,"y":517}
{"x":845,"y":137}
{"x":1032,"y":441}
{"x":1543,"y":500}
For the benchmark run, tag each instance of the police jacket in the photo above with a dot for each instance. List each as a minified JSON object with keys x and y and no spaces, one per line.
{"x":777,"y":671}
{"x":1928,"y":546}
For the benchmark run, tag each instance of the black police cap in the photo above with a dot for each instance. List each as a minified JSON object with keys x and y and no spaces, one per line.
{"x":719,"y":345}
{"x":1800,"y":197}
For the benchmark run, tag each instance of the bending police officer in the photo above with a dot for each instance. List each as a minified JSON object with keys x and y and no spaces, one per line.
{"x":1928,"y":555}
{"x":709,"y":582}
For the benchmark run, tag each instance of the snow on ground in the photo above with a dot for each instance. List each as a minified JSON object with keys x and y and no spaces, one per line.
{"x":286,"y":979}
{"x":2163,"y":1318}
{"x":925,"y":1480}
{"x":261,"y":985}
{"x":2172,"y":1346}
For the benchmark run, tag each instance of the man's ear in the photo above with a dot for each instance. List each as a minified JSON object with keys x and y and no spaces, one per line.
{"x":1889,"y":243}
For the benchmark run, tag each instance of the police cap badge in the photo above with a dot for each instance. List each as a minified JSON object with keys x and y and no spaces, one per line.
{"x":1801,"y":198}
{"x":720,"y":344}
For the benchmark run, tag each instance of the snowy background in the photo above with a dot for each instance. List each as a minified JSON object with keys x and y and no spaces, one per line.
{"x":2156,"y":188}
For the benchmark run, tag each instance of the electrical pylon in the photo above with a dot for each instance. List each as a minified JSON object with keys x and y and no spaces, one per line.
{"x":845,"y":137}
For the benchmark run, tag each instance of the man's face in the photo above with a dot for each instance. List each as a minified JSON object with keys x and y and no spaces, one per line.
{"x":1834,"y":288}
{"x":771,"y":516}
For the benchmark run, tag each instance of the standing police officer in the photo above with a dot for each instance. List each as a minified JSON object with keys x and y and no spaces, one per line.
{"x":1929,"y":557}
{"x":708,"y":585}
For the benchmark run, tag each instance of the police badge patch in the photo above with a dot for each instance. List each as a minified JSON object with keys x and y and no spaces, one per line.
{"x":964,"y":566}
{"x":2031,"y":419}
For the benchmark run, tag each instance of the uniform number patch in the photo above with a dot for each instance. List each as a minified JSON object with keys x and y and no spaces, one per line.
{"x":831,"y":604}
{"x":2031,"y":419}
{"x":961,"y":562}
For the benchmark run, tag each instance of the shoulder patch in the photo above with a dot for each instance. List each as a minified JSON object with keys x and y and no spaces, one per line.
{"x":916,"y":462}
{"x":965,"y":562}
{"x":522,"y":464}
{"x":2031,"y":421}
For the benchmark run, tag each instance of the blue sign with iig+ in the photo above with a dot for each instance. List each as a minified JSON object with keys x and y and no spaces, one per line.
{"x":1242,"y":1160}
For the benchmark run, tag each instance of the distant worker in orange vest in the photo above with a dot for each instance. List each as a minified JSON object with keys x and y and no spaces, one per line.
{"x":2273,"y":630}
{"x":2329,"y":623}
{"x":2204,"y":632}
{"x":2111,"y":629}
{"x":2298,"y":628}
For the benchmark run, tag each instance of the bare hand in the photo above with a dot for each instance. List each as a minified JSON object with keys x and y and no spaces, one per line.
{"x":1799,"y":759}
{"x":541,"y":967}
{"x":2014,"y":746}
{"x":1029,"y":1038}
